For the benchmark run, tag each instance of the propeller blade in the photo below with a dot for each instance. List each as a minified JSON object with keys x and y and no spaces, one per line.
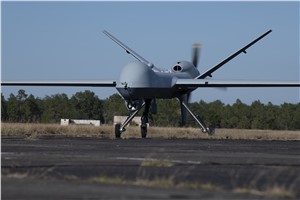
{"x":195,"y":54}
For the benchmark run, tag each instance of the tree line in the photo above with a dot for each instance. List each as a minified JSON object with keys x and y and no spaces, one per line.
{"x":26,"y":108}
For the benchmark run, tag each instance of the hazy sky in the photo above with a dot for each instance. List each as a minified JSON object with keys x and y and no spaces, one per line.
{"x":63,"y":41}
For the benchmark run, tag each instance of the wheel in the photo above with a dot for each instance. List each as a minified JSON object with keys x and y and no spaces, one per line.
{"x":117,"y":130}
{"x":144,"y":130}
{"x":211,"y":130}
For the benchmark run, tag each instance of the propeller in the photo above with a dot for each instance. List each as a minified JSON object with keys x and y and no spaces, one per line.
{"x":186,"y":98}
{"x":195,"y":60}
{"x":195,"y":54}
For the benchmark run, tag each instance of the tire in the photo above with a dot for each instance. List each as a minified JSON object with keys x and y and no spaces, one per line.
{"x":117,"y":130}
{"x":144,"y":131}
{"x":211,"y":130}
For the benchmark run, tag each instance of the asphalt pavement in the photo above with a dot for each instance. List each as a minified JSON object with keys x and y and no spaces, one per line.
{"x":92,"y":168}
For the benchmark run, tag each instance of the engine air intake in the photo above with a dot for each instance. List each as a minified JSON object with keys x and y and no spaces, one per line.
{"x":177,"y":68}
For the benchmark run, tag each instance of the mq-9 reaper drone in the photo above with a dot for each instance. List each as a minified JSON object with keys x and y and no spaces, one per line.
{"x":141,"y":82}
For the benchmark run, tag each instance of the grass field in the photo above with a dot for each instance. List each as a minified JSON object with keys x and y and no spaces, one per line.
{"x":34,"y":131}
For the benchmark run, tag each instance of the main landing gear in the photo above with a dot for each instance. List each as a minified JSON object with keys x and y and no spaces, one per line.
{"x":136,"y":106}
{"x":119,"y":128}
{"x":209,"y":130}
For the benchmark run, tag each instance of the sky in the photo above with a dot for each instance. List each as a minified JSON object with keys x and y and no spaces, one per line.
{"x":63,"y":41}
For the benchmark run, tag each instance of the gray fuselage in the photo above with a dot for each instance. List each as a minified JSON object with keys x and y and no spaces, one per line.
{"x":139,"y":81}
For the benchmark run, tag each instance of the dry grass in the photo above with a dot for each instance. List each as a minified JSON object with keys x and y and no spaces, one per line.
{"x":157,"y":163}
{"x":108,"y":180}
{"x":251,"y":134}
{"x":17,"y":175}
{"x":275,"y":191}
{"x":157,"y":182}
{"x":33,"y":131}
{"x":167,"y":182}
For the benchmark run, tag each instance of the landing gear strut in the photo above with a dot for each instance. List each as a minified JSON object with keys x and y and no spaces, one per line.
{"x":120,"y":128}
{"x":145,"y":118}
{"x":210,"y":130}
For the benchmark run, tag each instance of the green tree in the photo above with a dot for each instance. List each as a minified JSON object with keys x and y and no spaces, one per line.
{"x":32,"y":110}
{"x":295,"y":125}
{"x":168,"y":114}
{"x":240,"y":115}
{"x":87,"y":105}
{"x":286,"y":115}
{"x":226,"y":115}
{"x":271,"y":117}
{"x":4,"y":115}
{"x":257,"y":115}
{"x":215,"y":113}
{"x":21,"y":98}
{"x":24,"y":108}
{"x":13,"y":110}
{"x":114,"y":105}
{"x":57,"y":107}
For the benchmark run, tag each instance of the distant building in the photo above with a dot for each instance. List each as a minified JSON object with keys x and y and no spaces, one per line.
{"x":66,"y":122}
{"x":121,"y":120}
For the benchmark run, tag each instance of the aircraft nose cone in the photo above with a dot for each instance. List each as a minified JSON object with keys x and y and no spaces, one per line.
{"x":136,"y":74}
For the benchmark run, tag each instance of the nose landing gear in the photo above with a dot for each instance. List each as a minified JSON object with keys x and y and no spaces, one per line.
{"x":120,"y":128}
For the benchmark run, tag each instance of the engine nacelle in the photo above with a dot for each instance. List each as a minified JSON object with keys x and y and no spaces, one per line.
{"x":185,"y":66}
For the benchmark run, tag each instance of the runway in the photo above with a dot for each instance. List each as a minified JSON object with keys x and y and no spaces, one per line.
{"x":91,"y":168}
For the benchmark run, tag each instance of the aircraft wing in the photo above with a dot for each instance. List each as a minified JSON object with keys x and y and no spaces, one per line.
{"x":108,"y":83}
{"x":213,"y":83}
{"x":242,"y":50}
{"x":128,"y":50}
